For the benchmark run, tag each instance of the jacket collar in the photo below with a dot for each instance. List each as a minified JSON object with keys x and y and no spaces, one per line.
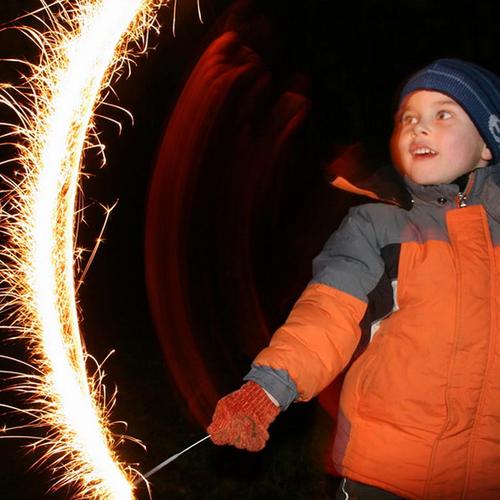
{"x":438,"y":194}
{"x":384,"y":185}
{"x":482,"y":187}
{"x":487,"y":190}
{"x":350,"y":173}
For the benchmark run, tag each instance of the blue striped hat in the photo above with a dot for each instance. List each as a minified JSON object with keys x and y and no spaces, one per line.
{"x":476,"y":89}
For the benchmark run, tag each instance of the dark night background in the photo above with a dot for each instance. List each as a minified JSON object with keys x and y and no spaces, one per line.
{"x":189,"y":286}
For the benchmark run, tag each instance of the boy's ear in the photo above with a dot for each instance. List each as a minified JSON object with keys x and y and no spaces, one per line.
{"x":486,"y":153}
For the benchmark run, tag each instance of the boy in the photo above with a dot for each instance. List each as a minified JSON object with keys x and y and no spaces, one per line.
{"x":419,"y":413}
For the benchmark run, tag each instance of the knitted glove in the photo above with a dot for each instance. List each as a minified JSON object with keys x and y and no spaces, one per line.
{"x":242,"y":418}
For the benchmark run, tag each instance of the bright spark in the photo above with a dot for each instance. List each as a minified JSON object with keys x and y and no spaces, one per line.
{"x":84,"y":46}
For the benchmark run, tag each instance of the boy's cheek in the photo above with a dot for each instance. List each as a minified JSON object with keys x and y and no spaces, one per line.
{"x":396,"y":148}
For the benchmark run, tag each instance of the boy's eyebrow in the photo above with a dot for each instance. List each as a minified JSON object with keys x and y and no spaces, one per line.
{"x":447,"y":101}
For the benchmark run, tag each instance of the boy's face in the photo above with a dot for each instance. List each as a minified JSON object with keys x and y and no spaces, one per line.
{"x":434,"y":141}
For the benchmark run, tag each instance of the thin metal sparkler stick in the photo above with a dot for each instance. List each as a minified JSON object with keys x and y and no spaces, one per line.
{"x":171,"y":459}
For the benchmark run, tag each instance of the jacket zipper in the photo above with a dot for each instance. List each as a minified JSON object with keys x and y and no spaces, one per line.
{"x":462,"y":196}
{"x":461,"y":200}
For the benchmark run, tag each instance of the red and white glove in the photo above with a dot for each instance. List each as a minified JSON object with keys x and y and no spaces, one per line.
{"x":242,"y":418}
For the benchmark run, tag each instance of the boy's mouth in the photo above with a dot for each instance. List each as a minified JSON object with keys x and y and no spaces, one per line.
{"x":421,"y":151}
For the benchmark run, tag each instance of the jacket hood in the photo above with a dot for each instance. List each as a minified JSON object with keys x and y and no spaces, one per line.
{"x":350,"y":173}
{"x":353,"y":172}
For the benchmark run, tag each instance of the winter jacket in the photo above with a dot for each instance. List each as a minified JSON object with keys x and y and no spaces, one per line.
{"x":417,"y":293}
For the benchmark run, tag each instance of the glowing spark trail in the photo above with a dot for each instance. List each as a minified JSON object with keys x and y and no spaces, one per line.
{"x":84,"y":46}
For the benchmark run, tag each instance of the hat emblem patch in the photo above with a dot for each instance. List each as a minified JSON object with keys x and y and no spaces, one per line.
{"x":494,"y":127}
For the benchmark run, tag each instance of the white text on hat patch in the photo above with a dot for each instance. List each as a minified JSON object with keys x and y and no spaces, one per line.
{"x":494,"y":126}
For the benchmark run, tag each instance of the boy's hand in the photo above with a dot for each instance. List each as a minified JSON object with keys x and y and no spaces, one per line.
{"x":242,"y":418}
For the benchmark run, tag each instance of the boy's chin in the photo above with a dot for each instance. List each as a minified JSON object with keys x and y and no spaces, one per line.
{"x":427,"y":178}
{"x":423,"y":180}
{"x":427,"y":182}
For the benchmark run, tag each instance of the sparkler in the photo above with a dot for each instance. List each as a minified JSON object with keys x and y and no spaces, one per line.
{"x":169,"y":460}
{"x":84,"y":46}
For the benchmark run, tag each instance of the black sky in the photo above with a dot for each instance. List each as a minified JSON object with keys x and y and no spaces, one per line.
{"x":352,"y":56}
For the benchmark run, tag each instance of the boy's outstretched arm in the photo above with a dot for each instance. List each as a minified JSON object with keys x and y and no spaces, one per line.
{"x":317,"y":340}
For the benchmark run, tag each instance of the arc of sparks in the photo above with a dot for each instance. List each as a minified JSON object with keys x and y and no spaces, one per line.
{"x":85,"y":45}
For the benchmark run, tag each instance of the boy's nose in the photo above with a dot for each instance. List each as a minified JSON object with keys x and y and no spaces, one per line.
{"x":420,"y":128}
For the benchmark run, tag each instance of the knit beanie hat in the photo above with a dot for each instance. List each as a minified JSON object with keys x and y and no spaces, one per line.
{"x":476,"y":89}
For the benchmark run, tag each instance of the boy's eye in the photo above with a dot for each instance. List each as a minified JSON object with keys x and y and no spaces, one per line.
{"x":408,"y":119}
{"x":443,"y":115}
